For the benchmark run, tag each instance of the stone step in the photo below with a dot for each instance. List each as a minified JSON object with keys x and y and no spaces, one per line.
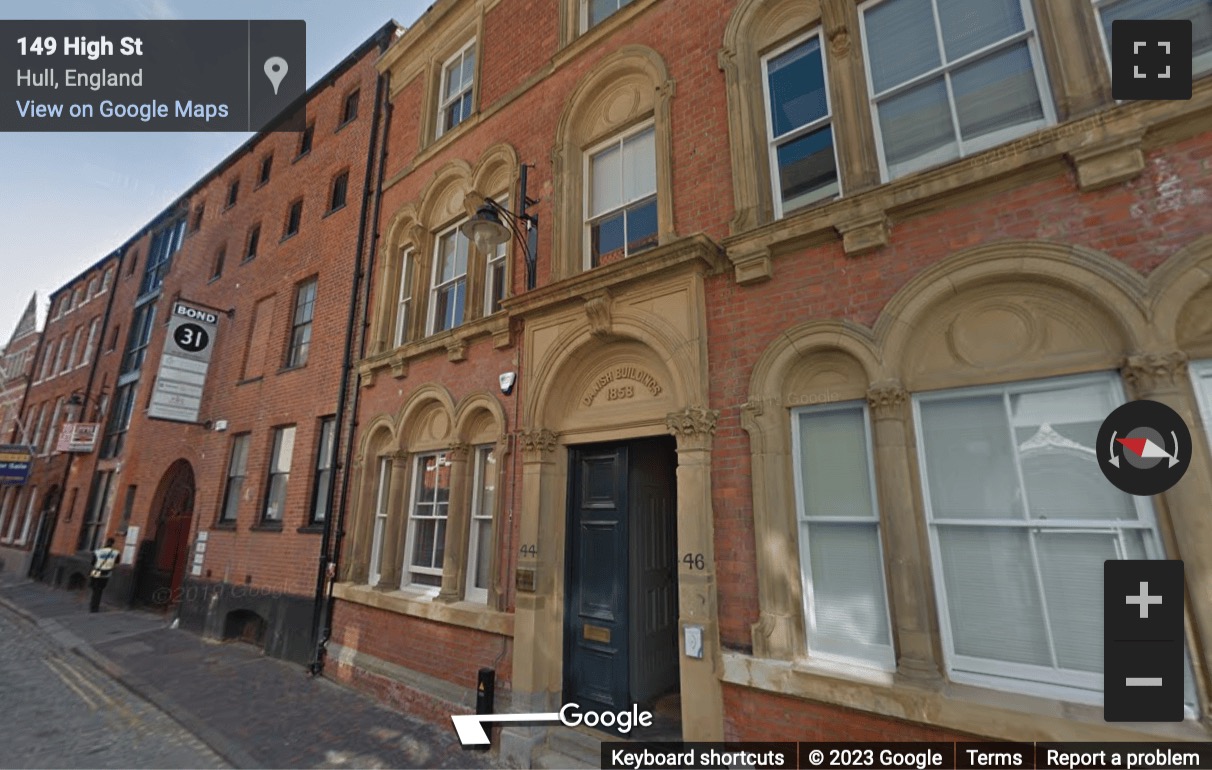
{"x":580,"y":744}
{"x":554,"y":760}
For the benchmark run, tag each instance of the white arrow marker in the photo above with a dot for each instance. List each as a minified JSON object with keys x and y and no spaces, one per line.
{"x":470,"y":727}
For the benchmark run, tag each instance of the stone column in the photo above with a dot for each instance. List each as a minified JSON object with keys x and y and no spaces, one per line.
{"x":538,"y":633}
{"x":395,"y":529}
{"x":901,"y":522}
{"x":458,"y":515}
{"x":698,"y":598}
{"x":1162,"y":377}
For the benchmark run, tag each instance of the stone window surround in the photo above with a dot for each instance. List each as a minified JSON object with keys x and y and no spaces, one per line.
{"x":778,"y":663}
{"x":452,"y":195}
{"x":477,"y":420}
{"x":1100,"y":139}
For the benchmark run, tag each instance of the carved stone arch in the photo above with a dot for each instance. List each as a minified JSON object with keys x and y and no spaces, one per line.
{"x":426,"y":419}
{"x":666,"y":366}
{"x":442,"y":199}
{"x":755,"y":27}
{"x":403,"y":231}
{"x":479,"y":419}
{"x":627,"y":87}
{"x":815,"y":362}
{"x":496,"y":171}
{"x":1180,"y":300}
{"x":1009,"y":311}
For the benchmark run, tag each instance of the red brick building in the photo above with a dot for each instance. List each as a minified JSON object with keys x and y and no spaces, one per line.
{"x":17,"y":361}
{"x":61,"y":395}
{"x":831,"y":300}
{"x":221,"y":503}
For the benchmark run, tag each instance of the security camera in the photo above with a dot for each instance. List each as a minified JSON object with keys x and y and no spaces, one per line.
{"x":507,"y":379}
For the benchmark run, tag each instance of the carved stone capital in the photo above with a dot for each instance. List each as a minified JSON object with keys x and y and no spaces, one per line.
{"x":887,"y":400}
{"x":415,"y":233}
{"x":366,"y":376}
{"x":693,"y":422}
{"x":597,"y":310}
{"x":458,"y":452}
{"x":1150,"y":373}
{"x":839,"y":42}
{"x":540,"y":441}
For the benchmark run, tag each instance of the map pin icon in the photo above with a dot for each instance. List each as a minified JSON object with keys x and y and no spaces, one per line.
{"x":275,"y":70}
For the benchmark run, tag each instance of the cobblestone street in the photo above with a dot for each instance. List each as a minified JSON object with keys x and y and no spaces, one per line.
{"x":61,"y":711}
{"x":122,"y":689}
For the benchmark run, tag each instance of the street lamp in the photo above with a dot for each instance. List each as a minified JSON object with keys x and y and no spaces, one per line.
{"x":493,"y":225}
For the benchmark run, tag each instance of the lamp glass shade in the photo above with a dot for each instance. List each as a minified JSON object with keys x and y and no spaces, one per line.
{"x":485,"y":228}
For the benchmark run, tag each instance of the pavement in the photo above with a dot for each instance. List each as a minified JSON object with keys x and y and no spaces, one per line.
{"x":212,"y":704}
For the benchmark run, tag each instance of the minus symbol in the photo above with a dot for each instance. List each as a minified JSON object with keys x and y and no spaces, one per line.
{"x":1143,"y":681}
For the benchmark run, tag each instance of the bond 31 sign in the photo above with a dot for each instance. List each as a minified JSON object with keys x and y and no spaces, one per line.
{"x":183,"y":366}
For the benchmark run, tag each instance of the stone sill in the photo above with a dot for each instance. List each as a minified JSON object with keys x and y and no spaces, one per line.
{"x":466,"y":614}
{"x":963,"y":708}
{"x":1104,"y":148}
{"x":690,"y":249}
{"x":454,"y":341}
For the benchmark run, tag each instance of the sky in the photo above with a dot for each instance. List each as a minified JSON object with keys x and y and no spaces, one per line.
{"x":71,"y":198}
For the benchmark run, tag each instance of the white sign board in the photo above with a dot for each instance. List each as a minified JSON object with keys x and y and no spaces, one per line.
{"x":128,"y":548}
{"x":182,"y":377}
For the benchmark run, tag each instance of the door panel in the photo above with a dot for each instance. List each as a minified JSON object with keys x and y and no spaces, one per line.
{"x":595,"y":629}
{"x":654,"y":649}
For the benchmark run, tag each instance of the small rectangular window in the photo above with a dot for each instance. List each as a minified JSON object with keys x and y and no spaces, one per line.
{"x":198,"y":214}
{"x":106,"y":280}
{"x":449,"y":286}
{"x":113,"y":339}
{"x":300,"y":333}
{"x":279,"y":473}
{"x":622,"y":198}
{"x":233,"y":192}
{"x":93,"y":330}
{"x":458,"y":77}
{"x":237,"y":468}
{"x":294,"y":218}
{"x":340,"y":187}
{"x":483,"y":507}
{"x":350,"y":110}
{"x":220,"y":257}
{"x":378,"y":537}
{"x":305,"y":139}
{"x":128,"y":507}
{"x":1198,"y":12}
{"x":267,"y":165}
{"x":495,"y":273}
{"x":404,"y":301}
{"x":254,"y":238}
{"x":133,"y":264}
{"x":325,"y":450}
{"x":71,"y":359}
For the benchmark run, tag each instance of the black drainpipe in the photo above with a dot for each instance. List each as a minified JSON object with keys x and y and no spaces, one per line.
{"x":43,"y":546}
{"x":330,"y":543}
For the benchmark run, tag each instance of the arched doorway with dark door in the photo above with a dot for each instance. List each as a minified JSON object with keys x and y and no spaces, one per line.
{"x":162,"y":560}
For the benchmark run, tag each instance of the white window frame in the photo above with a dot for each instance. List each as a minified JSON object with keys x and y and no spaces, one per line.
{"x":616,"y":140}
{"x":431,"y":325}
{"x":498,"y":254}
{"x":75,"y":349}
{"x":1200,"y":65}
{"x":585,"y":26}
{"x":406,"y":583}
{"x":1029,"y":33}
{"x":49,"y":443}
{"x":471,"y":592}
{"x":59,"y":360}
{"x":773,"y":142}
{"x":15,"y":515}
{"x":444,"y":102}
{"x":877,"y":656}
{"x":6,"y":503}
{"x":404,"y":301}
{"x":378,"y":535}
{"x":90,"y":347}
{"x":38,"y":429}
{"x":1080,"y":687}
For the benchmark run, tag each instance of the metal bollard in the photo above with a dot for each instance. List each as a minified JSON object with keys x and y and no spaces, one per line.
{"x":486,"y":684}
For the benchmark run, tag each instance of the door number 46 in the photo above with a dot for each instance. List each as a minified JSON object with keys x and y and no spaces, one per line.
{"x":694,"y":561}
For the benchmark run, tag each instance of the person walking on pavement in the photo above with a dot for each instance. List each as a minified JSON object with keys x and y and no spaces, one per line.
{"x":104,"y":561}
